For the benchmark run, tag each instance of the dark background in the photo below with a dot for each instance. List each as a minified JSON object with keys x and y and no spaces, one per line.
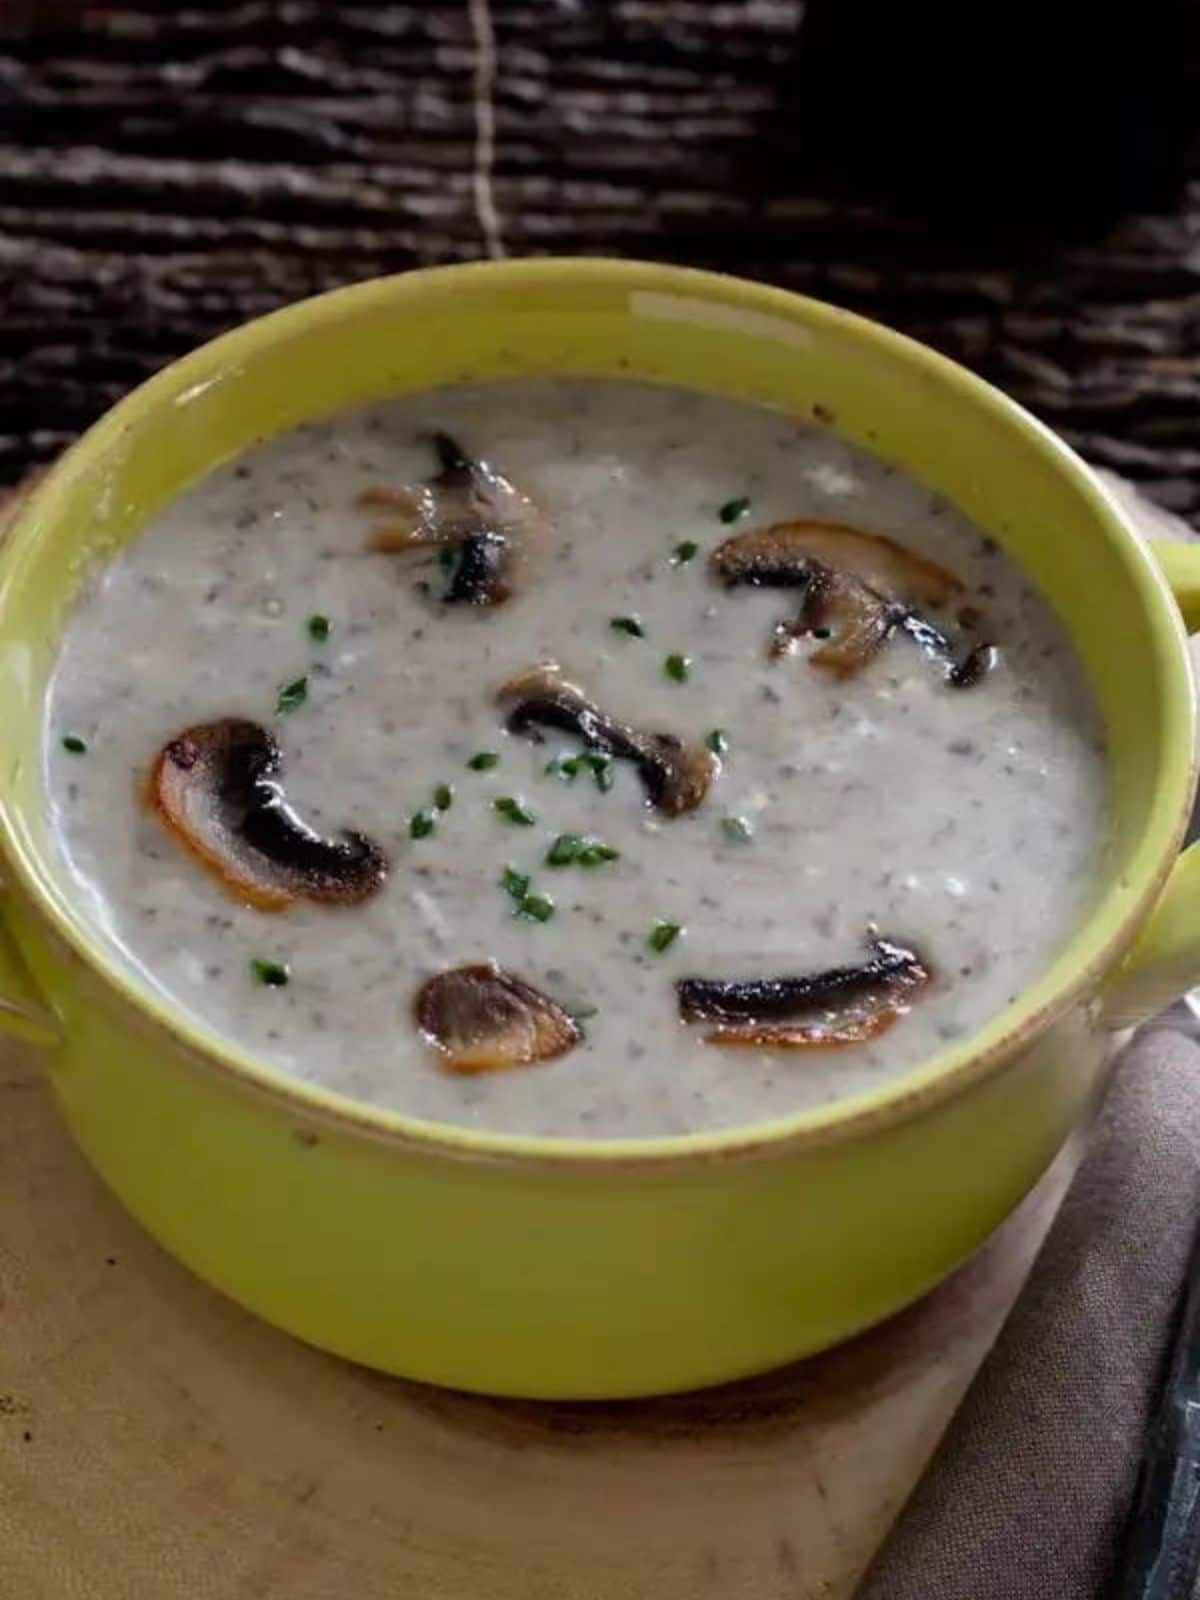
{"x":1012,"y":183}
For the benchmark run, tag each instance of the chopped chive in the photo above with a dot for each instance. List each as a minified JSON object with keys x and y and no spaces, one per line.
{"x":513,"y":811}
{"x":292,"y":696}
{"x":602,"y":771}
{"x":718,"y":741}
{"x":737,"y":829}
{"x":514,"y":883}
{"x":421,"y":824}
{"x":483,"y":761}
{"x":630,"y":625}
{"x":595,"y":852}
{"x":734,"y":510}
{"x":443,"y":797}
{"x":677,"y":667}
{"x":564,"y":850}
{"x":73,"y":743}
{"x":318,"y":628}
{"x":685,"y":550}
{"x":565,"y":768}
{"x":662,"y":936}
{"x":539,"y":907}
{"x":275,"y":974}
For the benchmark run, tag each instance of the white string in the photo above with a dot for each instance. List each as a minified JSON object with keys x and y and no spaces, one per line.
{"x":484,"y":35}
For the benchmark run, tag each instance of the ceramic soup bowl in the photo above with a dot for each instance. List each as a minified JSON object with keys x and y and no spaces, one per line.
{"x":551,"y":1267}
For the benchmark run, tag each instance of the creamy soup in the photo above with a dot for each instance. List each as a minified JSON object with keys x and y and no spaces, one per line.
{"x":956,"y":820}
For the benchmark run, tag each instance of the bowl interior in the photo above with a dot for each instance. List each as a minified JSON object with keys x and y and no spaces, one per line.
{"x":630,"y":320}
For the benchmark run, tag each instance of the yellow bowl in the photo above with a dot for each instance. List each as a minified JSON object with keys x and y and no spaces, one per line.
{"x":552,"y":1267}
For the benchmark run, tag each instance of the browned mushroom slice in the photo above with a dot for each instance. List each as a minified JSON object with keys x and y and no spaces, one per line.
{"x":858,"y":588}
{"x":217,"y":788}
{"x":844,"y":1005}
{"x":467,"y":507}
{"x":843,"y":610}
{"x":675,"y":775}
{"x":781,"y":556}
{"x":482,"y":1019}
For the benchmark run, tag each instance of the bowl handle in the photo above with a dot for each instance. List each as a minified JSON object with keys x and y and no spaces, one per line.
{"x":1164,"y":960}
{"x":23,"y":1012}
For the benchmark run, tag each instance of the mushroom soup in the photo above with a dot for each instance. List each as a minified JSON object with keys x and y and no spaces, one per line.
{"x":574,"y":757}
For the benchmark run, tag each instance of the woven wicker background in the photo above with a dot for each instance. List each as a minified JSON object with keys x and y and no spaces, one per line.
{"x":167,"y":171}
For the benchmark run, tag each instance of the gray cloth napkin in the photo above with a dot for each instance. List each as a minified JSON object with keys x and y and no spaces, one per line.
{"x":1028,"y":1495}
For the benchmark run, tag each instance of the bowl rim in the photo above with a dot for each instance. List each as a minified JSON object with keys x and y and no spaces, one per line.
{"x":945,"y":1075}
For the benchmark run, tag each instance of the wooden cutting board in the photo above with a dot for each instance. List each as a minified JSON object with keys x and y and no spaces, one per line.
{"x":157,"y":1443}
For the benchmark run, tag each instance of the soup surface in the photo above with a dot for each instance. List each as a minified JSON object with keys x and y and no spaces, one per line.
{"x":960,"y":821}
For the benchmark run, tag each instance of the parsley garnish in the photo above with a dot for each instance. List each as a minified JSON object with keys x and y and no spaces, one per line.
{"x":539,"y":907}
{"x":685,"y":550}
{"x":662,"y":936}
{"x":274,"y":974}
{"x":514,"y":811}
{"x":677,"y":667}
{"x":443,"y":797}
{"x":717,"y":742}
{"x":484,"y":761}
{"x":734,"y":510}
{"x":73,"y":743}
{"x":564,"y":850}
{"x":421,"y":824}
{"x":318,"y":628}
{"x":630,"y":625}
{"x":515,"y":883}
{"x":575,"y":848}
{"x":737,"y":829}
{"x":292,"y":696}
{"x":568,"y":768}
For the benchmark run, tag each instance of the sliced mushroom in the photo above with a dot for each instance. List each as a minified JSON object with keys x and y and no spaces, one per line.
{"x":844,"y":1005}
{"x":217,"y":788}
{"x":675,"y":775}
{"x":842,"y":609}
{"x":483,"y":1019}
{"x":858,"y":588}
{"x":467,"y":506}
{"x":778,"y":557}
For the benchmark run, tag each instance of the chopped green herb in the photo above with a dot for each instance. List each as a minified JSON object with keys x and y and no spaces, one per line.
{"x":568,"y":768}
{"x":539,"y":907}
{"x":292,"y":696}
{"x":685,"y":550}
{"x":73,"y":743}
{"x":421,"y":824}
{"x":662,"y":936}
{"x":318,"y":628}
{"x":484,"y":761}
{"x":565,"y":849}
{"x":513,"y":811}
{"x":448,"y":559}
{"x":275,"y":974}
{"x":595,"y":852}
{"x":677,"y":667}
{"x":630,"y":625}
{"x":514,"y":883}
{"x":602,"y":770}
{"x":718,"y":741}
{"x":565,"y":768}
{"x":443,"y":797}
{"x":737,"y":829}
{"x":734,"y":510}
